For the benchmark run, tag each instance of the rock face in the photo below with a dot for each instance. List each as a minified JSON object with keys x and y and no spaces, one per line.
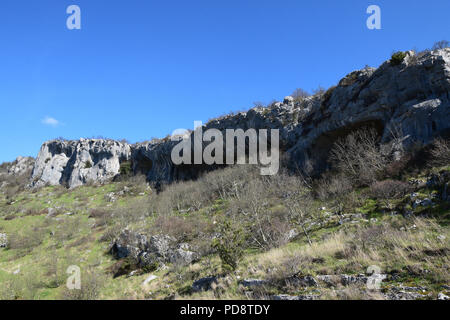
{"x":412,"y":99}
{"x":203,"y":284}
{"x":21,"y":167}
{"x":3,"y":240}
{"x":151,"y":251}
{"x":405,"y":103}
{"x":74,"y":163}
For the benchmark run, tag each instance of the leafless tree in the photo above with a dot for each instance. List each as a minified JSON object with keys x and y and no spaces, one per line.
{"x":441,"y":45}
{"x":389,"y":189}
{"x":299,"y":203}
{"x":300,"y":94}
{"x":358,"y":156}
{"x":440,"y":153}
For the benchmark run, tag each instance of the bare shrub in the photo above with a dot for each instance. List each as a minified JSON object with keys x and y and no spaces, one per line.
{"x":182,"y":228}
{"x":300,"y":94}
{"x":389,"y":189}
{"x":331,"y":186}
{"x":28,"y":240}
{"x":14,"y":183}
{"x":266,"y":228}
{"x":441,"y":45}
{"x":102,"y":217}
{"x":299,"y":204}
{"x":359,"y":157}
{"x":135,"y":183}
{"x":92,"y":281}
{"x":320,"y":91}
{"x":134,"y":212}
{"x":440,"y":153}
{"x":187,"y":196}
{"x":68,"y":228}
{"x":230,"y":182}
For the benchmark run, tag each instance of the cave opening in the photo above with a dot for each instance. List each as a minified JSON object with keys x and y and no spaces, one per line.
{"x":322,"y":146}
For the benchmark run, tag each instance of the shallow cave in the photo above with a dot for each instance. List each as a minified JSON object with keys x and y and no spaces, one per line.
{"x":320,"y":149}
{"x":142,"y":165}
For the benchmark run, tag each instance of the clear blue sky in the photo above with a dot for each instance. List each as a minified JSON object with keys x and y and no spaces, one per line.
{"x":140,"y":68}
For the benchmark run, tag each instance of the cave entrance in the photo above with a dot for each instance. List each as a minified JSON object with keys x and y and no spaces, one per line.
{"x":320,"y":149}
{"x":143,"y":165}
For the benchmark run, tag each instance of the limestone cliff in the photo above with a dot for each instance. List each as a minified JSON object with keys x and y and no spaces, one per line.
{"x":406,"y":103}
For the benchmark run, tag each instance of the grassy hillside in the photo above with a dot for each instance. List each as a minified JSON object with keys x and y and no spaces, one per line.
{"x":259,"y":237}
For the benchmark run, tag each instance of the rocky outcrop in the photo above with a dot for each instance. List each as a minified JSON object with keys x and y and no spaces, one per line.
{"x":3,"y":240}
{"x":405,"y":103}
{"x":154,"y":251}
{"x":74,"y":163}
{"x":21,"y":166}
{"x":16,"y":172}
{"x":204,"y":284}
{"x":411,"y":100}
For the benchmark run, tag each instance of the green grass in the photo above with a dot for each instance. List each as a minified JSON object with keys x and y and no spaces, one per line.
{"x":75,"y":240}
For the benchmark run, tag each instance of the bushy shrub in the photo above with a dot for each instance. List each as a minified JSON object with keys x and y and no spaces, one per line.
{"x":125,"y":168}
{"x":397,"y":58}
{"x":88,"y":164}
{"x":229,"y":245}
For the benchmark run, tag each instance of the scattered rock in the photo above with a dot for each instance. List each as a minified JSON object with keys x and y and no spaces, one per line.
{"x":149,"y":279}
{"x":403,"y":295}
{"x":253,"y":282}
{"x":442,"y":296}
{"x":307,"y":281}
{"x":293,"y":298}
{"x":426,"y":202}
{"x":3,"y":240}
{"x":129,"y":244}
{"x":203,"y":284}
{"x":288,"y":100}
{"x":350,"y":279}
{"x":133,"y":273}
{"x":21,"y":166}
{"x":111,"y":197}
{"x":51,"y":212}
{"x":291,"y":234}
{"x":183,"y":254}
{"x":153,"y":251}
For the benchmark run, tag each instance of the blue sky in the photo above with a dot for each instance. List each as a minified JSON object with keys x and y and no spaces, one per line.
{"x":140,"y":68}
